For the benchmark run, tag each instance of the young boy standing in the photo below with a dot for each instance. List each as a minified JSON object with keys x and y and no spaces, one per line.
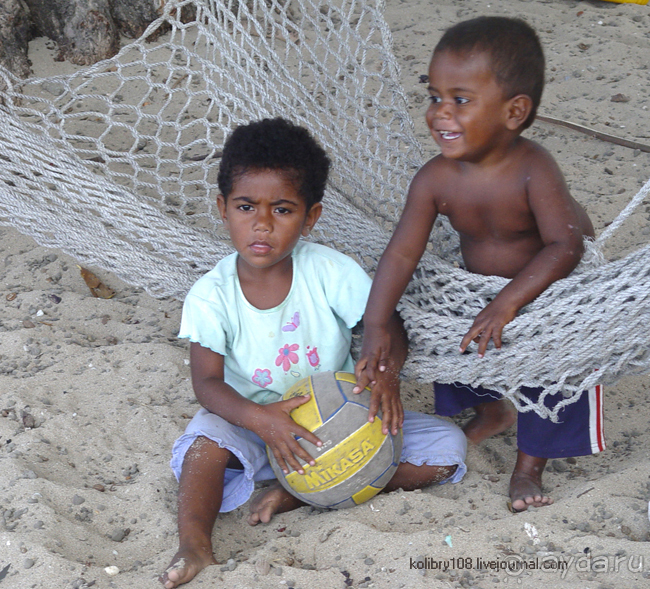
{"x":274,"y":312}
{"x":507,"y":199}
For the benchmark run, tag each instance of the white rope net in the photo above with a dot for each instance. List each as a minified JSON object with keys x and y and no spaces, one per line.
{"x":117,"y":165}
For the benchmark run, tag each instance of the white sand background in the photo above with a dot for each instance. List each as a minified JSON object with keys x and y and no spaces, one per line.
{"x":93,"y":392}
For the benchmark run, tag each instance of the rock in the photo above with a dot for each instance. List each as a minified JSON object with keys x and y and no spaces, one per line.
{"x":15,"y":35}
{"x":133,"y":16}
{"x":559,"y":466}
{"x":85,"y":31}
{"x":54,"y":88}
{"x":230,"y":565}
{"x":119,"y":534}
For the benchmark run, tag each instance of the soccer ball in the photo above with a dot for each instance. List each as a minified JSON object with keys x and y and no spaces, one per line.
{"x":356,"y":460}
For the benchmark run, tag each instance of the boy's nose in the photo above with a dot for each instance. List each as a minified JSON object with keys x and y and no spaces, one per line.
{"x":443,"y":110}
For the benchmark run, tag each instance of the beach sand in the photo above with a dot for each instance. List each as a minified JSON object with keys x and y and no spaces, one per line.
{"x":95,"y":391}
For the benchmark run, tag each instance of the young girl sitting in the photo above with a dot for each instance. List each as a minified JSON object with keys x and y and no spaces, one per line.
{"x":276,"y":311}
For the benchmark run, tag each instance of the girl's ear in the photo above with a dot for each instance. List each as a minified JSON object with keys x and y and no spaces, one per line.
{"x":313,"y":215}
{"x":221,"y":205}
{"x":518,"y":109}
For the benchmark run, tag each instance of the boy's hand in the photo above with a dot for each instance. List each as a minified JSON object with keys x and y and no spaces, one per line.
{"x":488,"y":325}
{"x":386,"y":393}
{"x":374,"y":358}
{"x":275,"y":426}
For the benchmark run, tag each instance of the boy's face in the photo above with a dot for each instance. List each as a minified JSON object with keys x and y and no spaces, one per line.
{"x":266,"y":216}
{"x":468,"y":111}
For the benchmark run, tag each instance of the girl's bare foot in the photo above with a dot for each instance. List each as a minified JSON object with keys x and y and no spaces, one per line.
{"x":186,"y":564}
{"x":526,"y":483}
{"x":491,"y":419}
{"x":273,"y":500}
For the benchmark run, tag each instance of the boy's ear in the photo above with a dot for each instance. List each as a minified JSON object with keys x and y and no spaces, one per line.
{"x":312,"y":216}
{"x":518,"y":109}
{"x":221,"y":205}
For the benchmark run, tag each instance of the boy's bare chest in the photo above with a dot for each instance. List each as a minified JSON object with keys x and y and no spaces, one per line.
{"x":487,"y":212}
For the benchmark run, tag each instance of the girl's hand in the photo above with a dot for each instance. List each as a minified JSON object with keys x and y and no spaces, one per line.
{"x":274,"y":425}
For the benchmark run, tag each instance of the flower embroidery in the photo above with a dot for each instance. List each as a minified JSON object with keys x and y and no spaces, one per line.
{"x":287,"y":356}
{"x":312,"y":356}
{"x":262,"y":377}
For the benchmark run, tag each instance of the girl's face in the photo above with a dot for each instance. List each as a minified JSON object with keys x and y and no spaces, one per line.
{"x":266,"y":216}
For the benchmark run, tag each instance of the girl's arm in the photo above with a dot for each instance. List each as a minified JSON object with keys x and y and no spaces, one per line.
{"x":270,"y":422}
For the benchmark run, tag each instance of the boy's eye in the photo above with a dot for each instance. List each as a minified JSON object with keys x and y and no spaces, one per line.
{"x":245,"y":207}
{"x":434,"y":99}
{"x":461,"y":100}
{"x":282,"y":211}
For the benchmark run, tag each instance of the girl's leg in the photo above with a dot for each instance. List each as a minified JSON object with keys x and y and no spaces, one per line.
{"x":427,"y":438}
{"x":273,"y":500}
{"x":410,"y":477}
{"x":199,"y":499}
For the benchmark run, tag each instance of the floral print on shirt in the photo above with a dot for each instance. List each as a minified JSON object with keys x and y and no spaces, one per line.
{"x":287,"y":356}
{"x":262,"y":377}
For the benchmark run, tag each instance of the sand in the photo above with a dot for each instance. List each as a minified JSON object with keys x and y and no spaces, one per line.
{"x":94,"y":391}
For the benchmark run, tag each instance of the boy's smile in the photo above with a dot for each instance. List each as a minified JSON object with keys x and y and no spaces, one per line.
{"x":266,"y":216}
{"x":468,"y":108}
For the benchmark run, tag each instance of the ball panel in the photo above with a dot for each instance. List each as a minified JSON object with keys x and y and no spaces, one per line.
{"x":368,"y":493}
{"x":307,"y":414}
{"x":346,"y":382}
{"x":396,"y":451}
{"x":341,"y":462}
{"x":356,"y":460}
{"x":331,"y":397}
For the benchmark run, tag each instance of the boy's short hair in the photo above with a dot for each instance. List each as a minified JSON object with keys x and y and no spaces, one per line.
{"x":514,"y":50}
{"x":275,"y":144}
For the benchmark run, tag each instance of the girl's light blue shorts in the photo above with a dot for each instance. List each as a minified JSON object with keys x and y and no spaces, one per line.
{"x":427,"y":439}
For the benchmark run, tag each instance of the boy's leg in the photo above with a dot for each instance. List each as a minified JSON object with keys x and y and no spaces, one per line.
{"x":433,"y":451}
{"x":491,"y":419}
{"x":199,"y":500}
{"x":579,"y":432}
{"x":493,"y":413}
{"x":526,"y":483}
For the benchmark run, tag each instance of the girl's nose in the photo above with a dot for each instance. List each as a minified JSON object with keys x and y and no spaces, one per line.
{"x":263,"y":221}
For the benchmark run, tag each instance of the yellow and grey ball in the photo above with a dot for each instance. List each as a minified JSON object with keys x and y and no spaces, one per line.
{"x":356,"y":460}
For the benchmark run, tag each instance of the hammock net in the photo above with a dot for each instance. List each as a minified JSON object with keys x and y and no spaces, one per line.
{"x":116,"y":165}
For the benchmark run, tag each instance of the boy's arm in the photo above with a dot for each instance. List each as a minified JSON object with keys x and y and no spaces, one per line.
{"x":561,"y":228}
{"x":270,"y":422}
{"x":394,"y":272}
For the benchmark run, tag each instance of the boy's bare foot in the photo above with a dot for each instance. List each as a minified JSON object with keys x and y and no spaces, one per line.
{"x":273,"y":500}
{"x":186,"y":564}
{"x":491,"y":419}
{"x":526,"y":483}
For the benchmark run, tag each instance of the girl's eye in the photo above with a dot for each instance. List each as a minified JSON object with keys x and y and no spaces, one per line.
{"x":461,"y":100}
{"x":434,"y":99}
